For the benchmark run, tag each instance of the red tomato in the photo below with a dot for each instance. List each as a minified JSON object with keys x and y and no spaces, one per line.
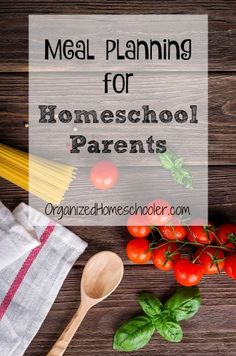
{"x":226,"y":235}
{"x":104,"y":175}
{"x":230,"y":266}
{"x":202,"y":233}
{"x":138,"y":251}
{"x":212,"y":259}
{"x":137,"y":226}
{"x":160,"y":212}
{"x":187,"y":273}
{"x":165,"y":256}
{"x":173,"y":233}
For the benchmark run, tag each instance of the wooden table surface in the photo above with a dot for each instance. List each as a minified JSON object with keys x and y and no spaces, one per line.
{"x":213,"y":330}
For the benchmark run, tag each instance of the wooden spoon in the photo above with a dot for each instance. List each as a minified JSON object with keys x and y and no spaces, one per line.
{"x":102,"y":274}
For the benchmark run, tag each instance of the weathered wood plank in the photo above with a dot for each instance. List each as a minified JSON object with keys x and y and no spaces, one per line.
{"x":221,"y":185}
{"x":200,"y":336}
{"x":13,"y":40}
{"x":222,"y":115}
{"x":222,"y":207}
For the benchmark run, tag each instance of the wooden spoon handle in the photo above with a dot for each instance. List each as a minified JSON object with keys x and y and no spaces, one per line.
{"x":62,"y":343}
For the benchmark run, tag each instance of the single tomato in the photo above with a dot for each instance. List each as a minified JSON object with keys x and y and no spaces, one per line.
{"x":211,"y":258}
{"x":173,"y":232}
{"x":165,"y":255}
{"x":104,"y":175}
{"x":137,"y":226}
{"x":159,"y":212}
{"x":187,"y":273}
{"x":226,"y":235}
{"x":201,"y":232}
{"x":138,"y":251}
{"x":230,"y":266}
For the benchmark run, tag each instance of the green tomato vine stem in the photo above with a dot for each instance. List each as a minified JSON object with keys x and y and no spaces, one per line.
{"x":153,"y":245}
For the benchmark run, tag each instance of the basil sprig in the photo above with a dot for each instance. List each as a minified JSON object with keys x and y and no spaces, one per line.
{"x":177,"y":169}
{"x":137,"y":332}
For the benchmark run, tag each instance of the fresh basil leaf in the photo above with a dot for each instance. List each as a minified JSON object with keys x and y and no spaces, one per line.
{"x":133,"y":334}
{"x":166,"y":160}
{"x":185,"y":303}
{"x":179,"y":173}
{"x":170,"y":330}
{"x":150,"y":304}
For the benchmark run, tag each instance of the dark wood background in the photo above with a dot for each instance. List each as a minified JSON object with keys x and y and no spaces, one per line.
{"x":213,"y":330}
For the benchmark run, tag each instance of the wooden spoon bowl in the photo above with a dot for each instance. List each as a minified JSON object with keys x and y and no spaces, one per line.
{"x":101,"y":275}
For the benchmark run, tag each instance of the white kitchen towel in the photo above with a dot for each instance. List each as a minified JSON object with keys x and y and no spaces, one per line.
{"x":29,"y":286}
{"x":15,"y":240}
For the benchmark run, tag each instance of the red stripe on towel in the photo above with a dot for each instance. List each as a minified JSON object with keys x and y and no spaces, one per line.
{"x":23,"y":270}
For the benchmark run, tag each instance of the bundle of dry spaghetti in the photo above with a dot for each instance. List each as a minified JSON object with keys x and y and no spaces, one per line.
{"x":43,"y":178}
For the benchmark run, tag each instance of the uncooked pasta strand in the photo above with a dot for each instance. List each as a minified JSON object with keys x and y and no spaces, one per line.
{"x":43,"y":178}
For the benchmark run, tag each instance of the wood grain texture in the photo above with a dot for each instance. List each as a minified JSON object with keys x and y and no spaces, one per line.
{"x":222,"y":208}
{"x":222,"y":30}
{"x":221,"y":185}
{"x":222,"y":115}
{"x":101,"y":276}
{"x":211,"y":332}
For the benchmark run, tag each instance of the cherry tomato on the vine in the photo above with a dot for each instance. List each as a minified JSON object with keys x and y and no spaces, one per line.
{"x":173,"y":233}
{"x":201,"y":232}
{"x":160,"y":212}
{"x":104,"y":175}
{"x":230,"y":266}
{"x":137,"y":226}
{"x":211,"y":258}
{"x":226,"y":235}
{"x":165,"y":255}
{"x":187,"y":273}
{"x":138,"y":251}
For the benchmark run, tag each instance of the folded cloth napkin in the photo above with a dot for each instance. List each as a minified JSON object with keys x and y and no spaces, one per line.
{"x":30,"y":284}
{"x":15,"y":240}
